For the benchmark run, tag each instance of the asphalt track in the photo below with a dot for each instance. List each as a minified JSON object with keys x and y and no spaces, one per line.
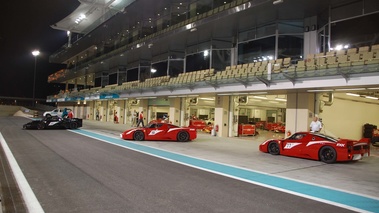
{"x":71,"y":172}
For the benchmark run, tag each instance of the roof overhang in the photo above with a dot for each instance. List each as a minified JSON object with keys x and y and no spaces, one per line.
{"x":90,"y":14}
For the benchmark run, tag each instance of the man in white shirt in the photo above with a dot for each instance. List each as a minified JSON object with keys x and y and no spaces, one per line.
{"x":316,"y":125}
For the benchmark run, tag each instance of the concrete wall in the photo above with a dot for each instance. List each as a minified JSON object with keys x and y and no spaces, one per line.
{"x":345,"y":118}
{"x":7,"y":110}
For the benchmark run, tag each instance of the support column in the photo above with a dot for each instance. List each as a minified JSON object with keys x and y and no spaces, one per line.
{"x":174,"y":111}
{"x":299,"y":112}
{"x":221,"y":115}
{"x":184,"y":112}
{"x":310,"y":36}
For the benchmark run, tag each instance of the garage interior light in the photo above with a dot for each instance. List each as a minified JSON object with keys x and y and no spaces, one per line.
{"x":351,"y":89}
{"x":370,"y":97}
{"x":257,"y":93}
{"x":260,"y":97}
{"x":208,"y":99}
{"x":280,"y":99}
{"x":353,"y":94}
{"x":320,"y":90}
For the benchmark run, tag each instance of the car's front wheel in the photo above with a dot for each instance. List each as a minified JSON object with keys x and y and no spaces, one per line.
{"x":328,"y":154}
{"x":273,"y":148}
{"x":48,"y":115}
{"x":183,"y":136}
{"x":138,"y":136}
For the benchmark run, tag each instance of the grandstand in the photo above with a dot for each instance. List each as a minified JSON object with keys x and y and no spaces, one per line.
{"x":203,"y":57}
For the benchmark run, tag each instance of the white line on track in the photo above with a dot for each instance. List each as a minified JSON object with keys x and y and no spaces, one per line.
{"x":28,"y":195}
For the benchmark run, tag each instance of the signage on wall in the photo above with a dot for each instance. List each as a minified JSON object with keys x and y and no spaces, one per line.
{"x":109,"y":96}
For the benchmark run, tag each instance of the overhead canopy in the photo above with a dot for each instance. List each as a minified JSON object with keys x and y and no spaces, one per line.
{"x":90,"y":14}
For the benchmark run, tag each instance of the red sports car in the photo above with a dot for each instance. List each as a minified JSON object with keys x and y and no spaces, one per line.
{"x":317,"y":146}
{"x":160,"y":132}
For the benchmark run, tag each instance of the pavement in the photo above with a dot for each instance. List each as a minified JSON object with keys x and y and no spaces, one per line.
{"x":357,"y":177}
{"x":351,"y":178}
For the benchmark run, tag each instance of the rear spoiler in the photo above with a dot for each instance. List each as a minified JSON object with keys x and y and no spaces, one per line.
{"x":365,"y":140}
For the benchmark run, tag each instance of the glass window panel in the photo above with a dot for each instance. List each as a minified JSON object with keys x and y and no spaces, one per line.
{"x":221,"y":59}
{"x":354,"y":33}
{"x":291,"y":27}
{"x":346,"y":11}
{"x":290,"y":46}
{"x":256,"y":50}
{"x":132,"y":74}
{"x":198,"y":61}
{"x":266,"y":31}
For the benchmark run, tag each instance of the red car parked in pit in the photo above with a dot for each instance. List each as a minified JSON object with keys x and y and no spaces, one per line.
{"x":317,"y":146}
{"x":160,"y":132}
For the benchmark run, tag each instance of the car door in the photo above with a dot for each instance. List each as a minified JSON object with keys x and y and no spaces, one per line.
{"x":156,"y":131}
{"x":294,"y":145}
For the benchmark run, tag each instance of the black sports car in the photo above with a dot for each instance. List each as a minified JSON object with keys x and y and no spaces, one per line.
{"x":54,"y":122}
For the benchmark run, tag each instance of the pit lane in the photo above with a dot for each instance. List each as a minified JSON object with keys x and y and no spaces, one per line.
{"x":238,"y":152}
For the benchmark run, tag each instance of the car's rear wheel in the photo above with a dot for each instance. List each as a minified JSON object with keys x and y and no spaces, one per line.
{"x":48,"y":116}
{"x":273,"y":148}
{"x":73,"y":125}
{"x":328,"y":154}
{"x":183,"y":136}
{"x":41,"y":126}
{"x":138,"y":136}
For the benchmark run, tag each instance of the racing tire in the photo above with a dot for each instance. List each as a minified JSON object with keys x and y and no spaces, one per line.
{"x":41,"y":126}
{"x":273,"y":148}
{"x":139,"y":136}
{"x":183,"y":136}
{"x":375,"y":141}
{"x":73,"y":125}
{"x":48,"y":116}
{"x":327,"y":154}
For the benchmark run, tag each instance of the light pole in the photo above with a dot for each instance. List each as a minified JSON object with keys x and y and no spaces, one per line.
{"x":35,"y":53}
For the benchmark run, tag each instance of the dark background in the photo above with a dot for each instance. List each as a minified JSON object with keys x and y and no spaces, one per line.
{"x":25,"y":26}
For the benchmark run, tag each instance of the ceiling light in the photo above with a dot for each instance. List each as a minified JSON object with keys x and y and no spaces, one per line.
{"x":352,"y":94}
{"x":370,"y":97}
{"x":273,"y":102}
{"x":374,"y":88}
{"x":208,"y":99}
{"x":350,"y":89}
{"x":257,"y":93}
{"x":277,"y":2}
{"x":320,"y":90}
{"x":280,"y":99}
{"x":260,"y":97}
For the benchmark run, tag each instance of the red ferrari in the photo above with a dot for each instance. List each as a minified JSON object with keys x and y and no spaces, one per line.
{"x":317,"y":146}
{"x":160,"y":132}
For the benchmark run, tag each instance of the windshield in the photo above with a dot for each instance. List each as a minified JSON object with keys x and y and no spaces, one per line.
{"x":327,"y":137}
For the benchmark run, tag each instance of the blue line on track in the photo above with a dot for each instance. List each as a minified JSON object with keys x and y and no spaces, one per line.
{"x":358,"y":202}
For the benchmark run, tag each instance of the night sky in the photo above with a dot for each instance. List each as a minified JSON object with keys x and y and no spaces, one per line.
{"x":25,"y":26}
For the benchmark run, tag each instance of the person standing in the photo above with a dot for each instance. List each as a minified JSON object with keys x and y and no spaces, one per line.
{"x":64,"y":113}
{"x":315,"y":125}
{"x":140,"y":119}
{"x":97,"y":115}
{"x":70,"y":114}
